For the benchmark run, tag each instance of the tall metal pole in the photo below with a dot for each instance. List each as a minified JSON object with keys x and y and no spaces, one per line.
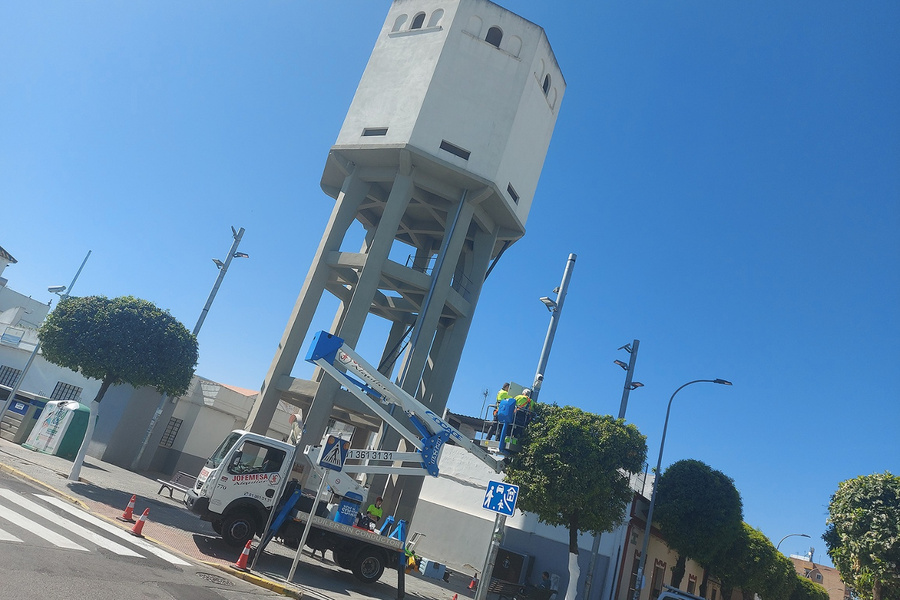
{"x":37,"y":346}
{"x":555,"y":312}
{"x":638,"y":583}
{"x":629,"y":375}
{"x":500,"y":520}
{"x":223,"y":268}
{"x":496,"y":538}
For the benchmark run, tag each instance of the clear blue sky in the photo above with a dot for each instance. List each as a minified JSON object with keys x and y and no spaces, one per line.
{"x":727,"y":173}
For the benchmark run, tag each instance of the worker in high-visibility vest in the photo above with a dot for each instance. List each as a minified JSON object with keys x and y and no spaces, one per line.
{"x":523,"y":400}
{"x":502,"y":395}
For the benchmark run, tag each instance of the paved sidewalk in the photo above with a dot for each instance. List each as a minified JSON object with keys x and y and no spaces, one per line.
{"x":105,"y":489}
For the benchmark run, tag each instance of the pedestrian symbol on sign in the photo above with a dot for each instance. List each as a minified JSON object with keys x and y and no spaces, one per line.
{"x":501,"y":497}
{"x":334,"y":453}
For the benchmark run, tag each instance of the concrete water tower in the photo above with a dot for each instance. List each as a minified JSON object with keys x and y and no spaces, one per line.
{"x":438,"y":159}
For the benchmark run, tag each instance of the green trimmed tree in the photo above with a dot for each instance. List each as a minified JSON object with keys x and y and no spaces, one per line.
{"x":781,"y":578}
{"x":573,"y":471}
{"x":699,"y":512}
{"x":118,"y":340}
{"x":863,"y":535}
{"x":740,"y":564}
{"x":804,"y":589}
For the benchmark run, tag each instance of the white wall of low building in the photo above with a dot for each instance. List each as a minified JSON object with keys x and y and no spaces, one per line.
{"x":42,"y":376}
{"x":457,"y":529}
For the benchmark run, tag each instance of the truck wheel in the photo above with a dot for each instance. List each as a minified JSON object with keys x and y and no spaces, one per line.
{"x":238,"y":527}
{"x":368,"y":565}
{"x":217,"y":526}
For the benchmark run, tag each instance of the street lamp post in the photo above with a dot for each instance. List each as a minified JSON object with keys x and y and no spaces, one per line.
{"x":630,"y":385}
{"x":638,"y":585}
{"x":63,"y":292}
{"x":555,"y":308}
{"x":223,"y":268}
{"x":778,"y":545}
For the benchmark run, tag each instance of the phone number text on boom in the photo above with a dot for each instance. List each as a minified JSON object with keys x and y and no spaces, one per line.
{"x":370,"y":455}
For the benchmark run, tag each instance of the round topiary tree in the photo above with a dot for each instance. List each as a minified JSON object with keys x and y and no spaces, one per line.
{"x":118,"y":340}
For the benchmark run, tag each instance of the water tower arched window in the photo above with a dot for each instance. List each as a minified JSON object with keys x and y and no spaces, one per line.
{"x":418,"y":21}
{"x":546,"y":85}
{"x":398,"y":23}
{"x":436,"y":17}
{"x":493,"y":37}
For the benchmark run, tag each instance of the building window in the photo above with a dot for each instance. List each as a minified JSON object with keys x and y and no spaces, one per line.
{"x":399,"y":23}
{"x":455,"y":150}
{"x":9,"y":376}
{"x":168,"y":437}
{"x":512,"y":193}
{"x":374,"y":131}
{"x":692,"y":584}
{"x":494,"y":36}
{"x":546,"y":84}
{"x":65,"y":391}
{"x":436,"y":17}
{"x":657,"y":581}
{"x":712,"y":594}
{"x":418,"y":21}
{"x":632,"y":581}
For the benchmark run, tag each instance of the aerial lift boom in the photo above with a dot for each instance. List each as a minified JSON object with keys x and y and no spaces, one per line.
{"x":374,"y":390}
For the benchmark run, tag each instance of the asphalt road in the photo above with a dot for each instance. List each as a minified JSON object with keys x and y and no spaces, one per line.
{"x":51,"y":548}
{"x":104,"y":491}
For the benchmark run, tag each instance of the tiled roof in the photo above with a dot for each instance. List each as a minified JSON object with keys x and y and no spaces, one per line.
{"x":242,"y":391}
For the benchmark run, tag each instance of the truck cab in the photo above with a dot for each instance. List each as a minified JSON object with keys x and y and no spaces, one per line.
{"x":237,"y":486}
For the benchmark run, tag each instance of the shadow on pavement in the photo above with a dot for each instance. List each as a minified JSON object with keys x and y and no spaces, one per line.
{"x":162,"y":510}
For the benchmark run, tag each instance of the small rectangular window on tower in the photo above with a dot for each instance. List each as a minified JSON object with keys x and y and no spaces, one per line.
{"x":374,"y":131}
{"x":455,"y":150}
{"x":512,"y":193}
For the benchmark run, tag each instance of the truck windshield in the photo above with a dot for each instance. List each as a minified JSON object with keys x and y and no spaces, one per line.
{"x":217,"y":457}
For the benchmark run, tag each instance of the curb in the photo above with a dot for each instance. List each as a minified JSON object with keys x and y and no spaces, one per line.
{"x":258,"y":581}
{"x":46,"y":486}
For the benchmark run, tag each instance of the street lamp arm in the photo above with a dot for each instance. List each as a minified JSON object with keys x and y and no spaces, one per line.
{"x":643,"y":558}
{"x":778,"y":545}
{"x":666,"y":424}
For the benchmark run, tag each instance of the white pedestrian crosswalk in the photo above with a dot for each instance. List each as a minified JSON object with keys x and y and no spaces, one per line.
{"x":26,"y":516}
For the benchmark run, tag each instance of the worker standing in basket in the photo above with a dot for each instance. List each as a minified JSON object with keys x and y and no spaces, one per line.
{"x":523,"y":400}
{"x":495,"y":428}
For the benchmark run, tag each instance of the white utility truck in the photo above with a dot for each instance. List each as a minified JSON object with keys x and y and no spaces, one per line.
{"x":250,"y":474}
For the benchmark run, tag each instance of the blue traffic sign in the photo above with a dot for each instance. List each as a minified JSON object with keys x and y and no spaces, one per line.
{"x":334,"y":453}
{"x":501,"y":497}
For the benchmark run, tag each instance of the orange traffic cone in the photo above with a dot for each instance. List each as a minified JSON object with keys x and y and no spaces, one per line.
{"x":128,"y":515}
{"x":241,"y":564}
{"x":136,"y":530}
{"x":455,"y":596}
{"x":473,"y":584}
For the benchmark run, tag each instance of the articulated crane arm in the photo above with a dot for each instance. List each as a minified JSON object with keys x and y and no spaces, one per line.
{"x":333,"y":356}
